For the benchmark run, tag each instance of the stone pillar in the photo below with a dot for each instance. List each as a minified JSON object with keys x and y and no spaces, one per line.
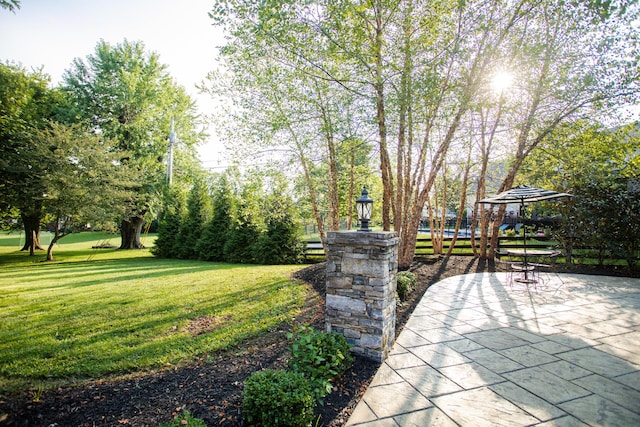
{"x":361,"y":290}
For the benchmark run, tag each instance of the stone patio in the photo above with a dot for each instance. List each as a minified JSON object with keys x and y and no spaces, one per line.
{"x":478,"y":351}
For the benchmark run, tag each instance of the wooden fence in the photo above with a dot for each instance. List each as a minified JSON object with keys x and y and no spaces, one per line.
{"x":424,"y":246}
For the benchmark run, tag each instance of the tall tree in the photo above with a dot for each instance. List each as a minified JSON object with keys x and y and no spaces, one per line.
{"x":27,"y":105}
{"x":573,"y":61}
{"x":197,"y":217}
{"x":418,"y":70}
{"x":169,"y":222}
{"x":83,"y":183}
{"x":280,"y":243}
{"x":243,"y":236}
{"x":280,"y":108}
{"x":127,"y":95}
{"x":211,"y":244}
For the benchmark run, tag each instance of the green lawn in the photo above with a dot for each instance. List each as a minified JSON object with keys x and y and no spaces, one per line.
{"x":98,"y":312}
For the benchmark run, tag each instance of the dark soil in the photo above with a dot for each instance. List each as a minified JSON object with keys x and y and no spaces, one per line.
{"x":211,"y":387}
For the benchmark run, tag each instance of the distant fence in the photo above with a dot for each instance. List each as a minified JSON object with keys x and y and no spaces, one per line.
{"x":314,"y":251}
{"x":424,"y":246}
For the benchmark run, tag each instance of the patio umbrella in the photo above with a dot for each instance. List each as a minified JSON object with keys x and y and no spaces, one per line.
{"x":524,"y":194}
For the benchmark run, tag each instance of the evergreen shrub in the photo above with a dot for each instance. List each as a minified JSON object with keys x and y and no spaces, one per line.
{"x":278,"y":398}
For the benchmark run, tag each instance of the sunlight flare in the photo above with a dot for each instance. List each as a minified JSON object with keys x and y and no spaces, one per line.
{"x":501,"y":81}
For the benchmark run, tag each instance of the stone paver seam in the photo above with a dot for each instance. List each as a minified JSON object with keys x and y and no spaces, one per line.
{"x":373,"y":422}
{"x":529,"y":367}
{"x":364,"y":402}
{"x":557,"y":404}
{"x":505,"y":380}
{"x":584,"y":375}
{"x":427,"y":397}
{"x":618,"y":377}
{"x":462,"y":386}
{"x":488,"y":387}
{"x":590,"y":393}
{"x":495,"y":351}
{"x":522,"y":408}
{"x":501,"y":373}
{"x":433,"y":406}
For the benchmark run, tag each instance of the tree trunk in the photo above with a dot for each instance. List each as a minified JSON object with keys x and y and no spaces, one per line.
{"x":31,"y":232}
{"x":404,"y":130}
{"x":310,"y":185}
{"x":409,"y":234}
{"x":334,"y":212}
{"x":130,"y":230}
{"x":463,"y":201}
{"x":55,"y":239}
{"x":58,"y":234}
{"x":485,"y":214}
{"x":385,"y":161}
{"x":352,"y":183}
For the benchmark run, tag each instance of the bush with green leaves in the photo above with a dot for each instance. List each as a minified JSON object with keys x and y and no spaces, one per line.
{"x":278,"y":398}
{"x":184,"y":419}
{"x":320,"y":357}
{"x":173,"y":215}
{"x":406,"y":284}
{"x":281,"y":242}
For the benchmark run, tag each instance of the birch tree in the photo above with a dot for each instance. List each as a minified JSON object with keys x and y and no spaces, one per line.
{"x":418,"y":72}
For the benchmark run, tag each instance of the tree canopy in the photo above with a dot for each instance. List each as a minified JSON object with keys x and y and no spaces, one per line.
{"x":603,"y":212}
{"x":413,"y":78}
{"x":83,"y":184}
{"x":27,"y":105}
{"x":126,"y":94}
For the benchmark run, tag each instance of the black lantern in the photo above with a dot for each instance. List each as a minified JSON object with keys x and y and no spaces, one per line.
{"x":364,"y":206}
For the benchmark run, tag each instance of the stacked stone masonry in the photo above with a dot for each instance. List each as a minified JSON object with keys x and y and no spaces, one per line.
{"x":361,"y":289}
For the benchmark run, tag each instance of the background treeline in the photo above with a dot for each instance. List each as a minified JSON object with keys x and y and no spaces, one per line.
{"x":228,"y":218}
{"x":601,"y":168}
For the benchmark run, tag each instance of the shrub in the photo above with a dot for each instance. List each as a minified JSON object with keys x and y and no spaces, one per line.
{"x":184,"y":419}
{"x":320,"y":357}
{"x":280,"y":243}
{"x":210,"y":246}
{"x":406,"y":284}
{"x":277,"y":398}
{"x":169,"y":225}
{"x":198,"y":215}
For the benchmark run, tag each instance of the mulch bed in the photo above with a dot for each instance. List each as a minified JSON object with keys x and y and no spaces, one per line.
{"x":211,"y":387}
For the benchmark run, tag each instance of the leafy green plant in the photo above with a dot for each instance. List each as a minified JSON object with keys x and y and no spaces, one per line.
{"x":36,"y":393}
{"x":278,"y":398}
{"x":184,"y":419}
{"x":406,"y":284}
{"x":320,"y":357}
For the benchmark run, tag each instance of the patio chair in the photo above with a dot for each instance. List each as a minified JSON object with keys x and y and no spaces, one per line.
{"x":517,"y":228}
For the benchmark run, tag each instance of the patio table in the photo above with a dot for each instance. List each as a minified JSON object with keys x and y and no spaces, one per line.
{"x":528,"y":270}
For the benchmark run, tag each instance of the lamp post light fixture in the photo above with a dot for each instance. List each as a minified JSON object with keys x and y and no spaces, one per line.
{"x":364,"y":206}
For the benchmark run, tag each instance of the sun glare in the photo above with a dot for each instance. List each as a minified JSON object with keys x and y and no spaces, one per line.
{"x":501,"y":81}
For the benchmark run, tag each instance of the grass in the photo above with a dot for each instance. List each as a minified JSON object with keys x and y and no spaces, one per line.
{"x":95,"y":313}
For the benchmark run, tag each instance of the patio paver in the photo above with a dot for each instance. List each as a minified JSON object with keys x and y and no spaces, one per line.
{"x":477,"y":352}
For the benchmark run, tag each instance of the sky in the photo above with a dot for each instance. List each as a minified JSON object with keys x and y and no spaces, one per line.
{"x":51,"y":33}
